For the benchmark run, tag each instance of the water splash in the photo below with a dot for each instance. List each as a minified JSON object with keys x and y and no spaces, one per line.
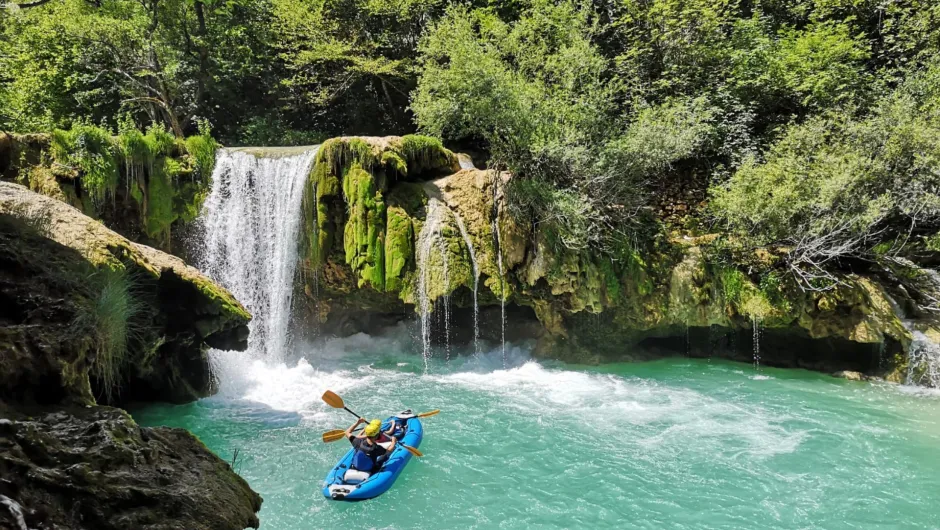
{"x":923,"y":362}
{"x":476,"y":282}
{"x":251,"y":225}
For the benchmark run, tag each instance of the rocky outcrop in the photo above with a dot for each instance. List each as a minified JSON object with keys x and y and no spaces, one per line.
{"x":95,"y":469}
{"x":88,"y":317}
{"x":141,"y":185}
{"x":379,"y":236}
{"x":71,"y":288}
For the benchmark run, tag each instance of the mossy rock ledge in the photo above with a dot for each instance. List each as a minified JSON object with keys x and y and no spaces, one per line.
{"x":69,"y":287}
{"x":368,"y":214}
{"x":50,"y":265}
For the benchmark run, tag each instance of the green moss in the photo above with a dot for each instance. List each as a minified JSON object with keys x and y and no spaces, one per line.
{"x":611,"y":280}
{"x":393,"y":161}
{"x":91,"y":151}
{"x":424,"y":153}
{"x":161,"y":194}
{"x":202,"y":148}
{"x":338,"y":154}
{"x":329,"y":219}
{"x":399,"y":247}
{"x":746,"y":298}
{"x":364,"y":233}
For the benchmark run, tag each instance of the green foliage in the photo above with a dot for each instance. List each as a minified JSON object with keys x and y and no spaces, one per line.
{"x":542,"y":96}
{"x":202,"y":148}
{"x":91,"y":151}
{"x":833,"y":185}
{"x":115,"y":319}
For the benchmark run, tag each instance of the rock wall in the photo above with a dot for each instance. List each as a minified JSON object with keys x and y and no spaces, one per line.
{"x":369,"y":213}
{"x":96,"y":469}
{"x":65,"y":277}
{"x":88,"y":317}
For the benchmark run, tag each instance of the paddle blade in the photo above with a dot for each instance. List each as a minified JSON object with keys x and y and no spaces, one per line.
{"x":332,"y":436}
{"x":333,"y":400}
{"x":430,"y":413}
{"x":412,"y":450}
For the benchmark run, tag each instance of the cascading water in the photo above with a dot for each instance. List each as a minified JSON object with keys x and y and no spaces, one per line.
{"x":476,"y":282}
{"x":755,"y":326}
{"x":251,"y":222}
{"x":923,"y":355}
{"x":431,"y":230}
{"x":923,"y":361}
{"x":499,"y":263}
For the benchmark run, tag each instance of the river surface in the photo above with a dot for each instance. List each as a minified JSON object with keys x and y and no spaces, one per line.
{"x":675,"y":443}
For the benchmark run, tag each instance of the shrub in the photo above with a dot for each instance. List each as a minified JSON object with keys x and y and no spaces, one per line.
{"x":114,"y":317}
{"x":837,"y":186}
{"x":92,"y":152}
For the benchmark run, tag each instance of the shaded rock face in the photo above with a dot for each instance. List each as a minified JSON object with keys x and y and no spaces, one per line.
{"x":58,"y":269}
{"x":96,"y":469}
{"x":86,"y":316}
{"x":369,"y":218}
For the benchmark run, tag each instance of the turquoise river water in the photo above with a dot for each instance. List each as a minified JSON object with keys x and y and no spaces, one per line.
{"x":675,"y":443}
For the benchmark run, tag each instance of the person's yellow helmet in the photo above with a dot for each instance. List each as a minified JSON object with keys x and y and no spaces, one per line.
{"x":372,"y":429}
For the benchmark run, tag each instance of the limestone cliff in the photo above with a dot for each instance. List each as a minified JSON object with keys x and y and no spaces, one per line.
{"x":74,"y":292}
{"x":390,"y":234}
{"x":88,"y":317}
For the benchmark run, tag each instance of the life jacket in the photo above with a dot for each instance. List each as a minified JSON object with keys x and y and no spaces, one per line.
{"x":362,"y":461}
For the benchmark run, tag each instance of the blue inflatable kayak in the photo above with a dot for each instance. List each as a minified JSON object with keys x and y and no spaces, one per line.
{"x":337,"y":488}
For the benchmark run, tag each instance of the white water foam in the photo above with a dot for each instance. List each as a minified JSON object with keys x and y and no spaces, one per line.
{"x":251,"y":222}
{"x":665,"y":415}
{"x":923,"y":365}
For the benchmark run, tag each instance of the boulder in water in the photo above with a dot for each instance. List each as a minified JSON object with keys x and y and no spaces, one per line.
{"x":96,"y":469}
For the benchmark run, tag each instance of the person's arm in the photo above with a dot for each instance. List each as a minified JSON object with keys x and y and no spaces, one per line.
{"x":349,"y":431}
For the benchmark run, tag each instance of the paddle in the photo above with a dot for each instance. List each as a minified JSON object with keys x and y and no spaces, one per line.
{"x":333,"y":400}
{"x":336,"y":402}
{"x":332,"y":436}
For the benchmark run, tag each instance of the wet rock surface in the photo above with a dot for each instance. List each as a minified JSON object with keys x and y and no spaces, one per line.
{"x":95,"y":468}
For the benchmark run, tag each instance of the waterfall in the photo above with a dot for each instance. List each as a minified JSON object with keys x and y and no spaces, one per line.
{"x":923,"y":355}
{"x":923,"y":362}
{"x":445,"y":271}
{"x":431,"y":229}
{"x":755,"y":325}
{"x":251,"y":223}
{"x":476,"y":282}
{"x":499,"y":263}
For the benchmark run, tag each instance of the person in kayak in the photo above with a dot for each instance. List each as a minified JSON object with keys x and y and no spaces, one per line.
{"x":397,"y":427}
{"x":370,"y":453}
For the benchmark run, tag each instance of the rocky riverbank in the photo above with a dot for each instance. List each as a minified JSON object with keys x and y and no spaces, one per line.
{"x":89,"y":317}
